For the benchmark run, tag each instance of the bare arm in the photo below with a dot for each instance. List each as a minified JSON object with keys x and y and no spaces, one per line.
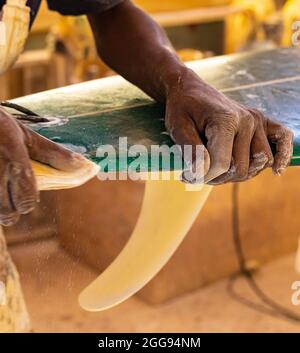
{"x":236,"y":138}
{"x":137,"y":48}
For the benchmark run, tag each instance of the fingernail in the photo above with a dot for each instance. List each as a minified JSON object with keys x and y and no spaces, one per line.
{"x":224,"y":178}
{"x":187,"y":177}
{"x":253,"y":171}
{"x":197,"y":171}
{"x":213,"y":183}
{"x":252,"y":174}
{"x":279,"y":171}
{"x":194,"y":174}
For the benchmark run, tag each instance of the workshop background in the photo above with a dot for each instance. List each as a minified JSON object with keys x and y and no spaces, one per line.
{"x":67,"y":240}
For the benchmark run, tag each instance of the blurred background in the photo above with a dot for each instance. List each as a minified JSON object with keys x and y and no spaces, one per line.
{"x":61,"y":51}
{"x":68,"y":239}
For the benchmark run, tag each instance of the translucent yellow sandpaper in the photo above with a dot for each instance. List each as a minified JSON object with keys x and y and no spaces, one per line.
{"x":52,"y":179}
{"x":167,"y":213}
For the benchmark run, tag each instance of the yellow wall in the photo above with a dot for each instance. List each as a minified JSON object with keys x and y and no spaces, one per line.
{"x":242,"y":25}
{"x":45,"y":19}
{"x":167,"y":5}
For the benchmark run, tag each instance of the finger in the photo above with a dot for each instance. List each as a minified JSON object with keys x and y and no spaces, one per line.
{"x":240,"y":158}
{"x":219,"y":145}
{"x":184,"y":133}
{"x":47,"y":152}
{"x":282,"y":138}
{"x":23,"y":189}
{"x":261,"y":153}
{"x":8,"y":215}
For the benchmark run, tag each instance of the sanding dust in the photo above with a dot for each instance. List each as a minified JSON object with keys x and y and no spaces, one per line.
{"x":13,"y":312}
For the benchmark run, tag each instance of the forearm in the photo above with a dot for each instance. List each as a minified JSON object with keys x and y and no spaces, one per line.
{"x":131,"y":43}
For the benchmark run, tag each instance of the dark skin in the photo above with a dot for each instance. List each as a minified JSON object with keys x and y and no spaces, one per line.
{"x":236,"y":138}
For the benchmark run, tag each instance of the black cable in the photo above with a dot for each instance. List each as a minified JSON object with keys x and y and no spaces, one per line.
{"x":27,"y":115}
{"x":17,"y":107}
{"x":269,"y":306}
{"x":30,"y":118}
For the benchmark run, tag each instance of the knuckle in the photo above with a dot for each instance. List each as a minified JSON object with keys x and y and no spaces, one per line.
{"x":289,"y":133}
{"x":226,"y":113}
{"x":282,"y":133}
{"x":261,"y":121}
{"x":15,"y":169}
{"x":230,"y":113}
{"x":21,"y":173}
{"x":283,"y":129}
{"x":255,"y":111}
{"x":232,"y":117}
{"x":257,"y":114}
{"x":224,"y":127}
{"x":249,"y":121}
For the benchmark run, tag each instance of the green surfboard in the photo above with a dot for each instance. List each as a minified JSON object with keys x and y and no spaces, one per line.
{"x":97,"y":113}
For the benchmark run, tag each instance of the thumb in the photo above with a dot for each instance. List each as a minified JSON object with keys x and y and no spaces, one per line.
{"x":183,"y":131}
{"x":47,"y":152}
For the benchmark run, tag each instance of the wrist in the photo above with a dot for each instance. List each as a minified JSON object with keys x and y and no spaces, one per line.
{"x":182,"y":79}
{"x":174,"y":77}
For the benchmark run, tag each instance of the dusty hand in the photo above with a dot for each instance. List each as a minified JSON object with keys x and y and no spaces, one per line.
{"x":236,"y":139}
{"x":18,"y":191}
